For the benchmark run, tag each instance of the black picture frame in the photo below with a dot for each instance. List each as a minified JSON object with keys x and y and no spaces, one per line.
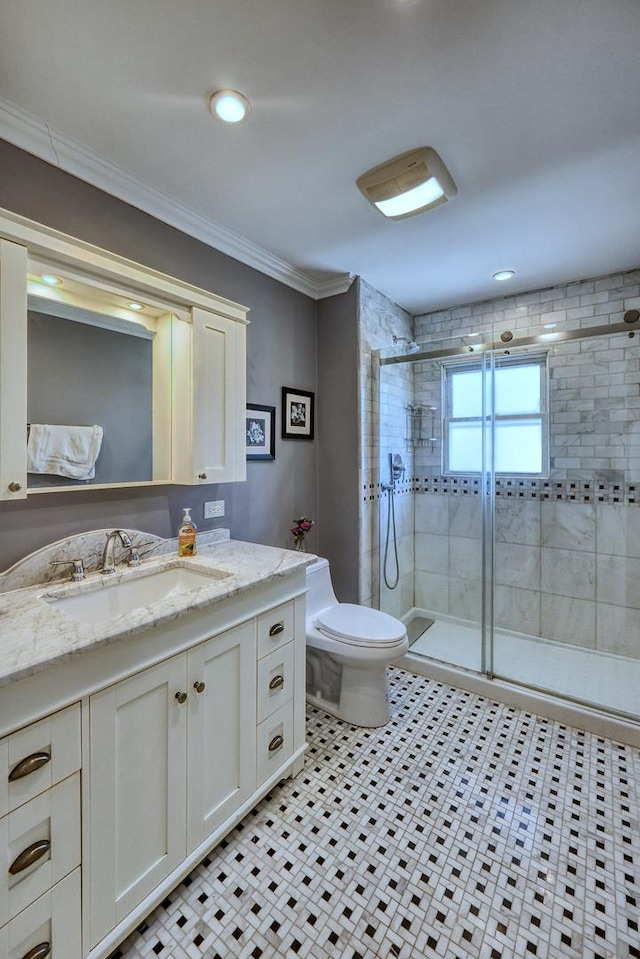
{"x":259,"y":432}
{"x":297,"y":414}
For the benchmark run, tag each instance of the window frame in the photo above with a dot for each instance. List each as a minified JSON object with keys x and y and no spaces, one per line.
{"x":540,"y":359}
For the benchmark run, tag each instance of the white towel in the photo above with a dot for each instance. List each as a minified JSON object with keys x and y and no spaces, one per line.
{"x":64,"y":450}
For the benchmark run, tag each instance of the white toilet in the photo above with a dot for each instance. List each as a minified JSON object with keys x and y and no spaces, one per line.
{"x":348,"y":650}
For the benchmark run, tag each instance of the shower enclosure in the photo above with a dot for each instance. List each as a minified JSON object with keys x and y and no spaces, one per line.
{"x":517,"y":519}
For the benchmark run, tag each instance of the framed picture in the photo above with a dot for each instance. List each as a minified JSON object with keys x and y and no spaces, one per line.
{"x":297,"y":414}
{"x":259,"y":432}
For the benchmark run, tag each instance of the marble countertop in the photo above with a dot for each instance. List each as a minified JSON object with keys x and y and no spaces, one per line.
{"x":34,"y":634}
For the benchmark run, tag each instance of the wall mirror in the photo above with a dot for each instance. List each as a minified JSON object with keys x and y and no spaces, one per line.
{"x":98,"y":383}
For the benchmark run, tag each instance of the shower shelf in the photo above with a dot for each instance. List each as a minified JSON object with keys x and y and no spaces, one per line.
{"x":421,"y":426}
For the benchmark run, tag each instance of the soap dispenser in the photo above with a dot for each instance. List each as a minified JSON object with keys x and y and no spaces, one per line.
{"x":187,"y":533}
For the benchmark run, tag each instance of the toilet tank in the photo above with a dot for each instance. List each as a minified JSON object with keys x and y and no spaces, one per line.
{"x":320,"y":593}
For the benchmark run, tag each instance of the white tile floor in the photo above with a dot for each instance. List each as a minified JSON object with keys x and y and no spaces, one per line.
{"x":464,"y":829}
{"x":584,"y":675}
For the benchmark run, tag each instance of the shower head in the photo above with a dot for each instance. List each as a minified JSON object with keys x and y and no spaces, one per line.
{"x":412,"y":346}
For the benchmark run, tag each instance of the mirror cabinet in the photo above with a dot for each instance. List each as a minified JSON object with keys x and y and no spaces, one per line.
{"x":112,"y":374}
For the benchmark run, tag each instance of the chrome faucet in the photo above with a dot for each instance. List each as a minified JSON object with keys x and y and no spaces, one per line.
{"x":108,"y":554}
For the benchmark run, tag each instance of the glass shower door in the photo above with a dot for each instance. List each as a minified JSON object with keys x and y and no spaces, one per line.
{"x":440,"y":523}
{"x":566,"y":608}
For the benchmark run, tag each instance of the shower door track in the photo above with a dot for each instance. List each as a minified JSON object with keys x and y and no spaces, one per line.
{"x":507,"y":342}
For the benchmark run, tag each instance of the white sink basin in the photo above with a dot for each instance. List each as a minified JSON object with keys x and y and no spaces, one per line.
{"x":111,"y":599}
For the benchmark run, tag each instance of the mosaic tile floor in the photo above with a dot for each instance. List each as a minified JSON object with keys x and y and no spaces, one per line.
{"x":463,"y":829}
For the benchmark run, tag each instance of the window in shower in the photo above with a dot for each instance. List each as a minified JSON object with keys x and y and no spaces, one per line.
{"x":515,"y":398}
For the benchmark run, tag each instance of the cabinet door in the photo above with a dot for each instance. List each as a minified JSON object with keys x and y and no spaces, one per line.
{"x":222,"y":729}
{"x":13,"y":371}
{"x":210,"y":404}
{"x":137,"y":790}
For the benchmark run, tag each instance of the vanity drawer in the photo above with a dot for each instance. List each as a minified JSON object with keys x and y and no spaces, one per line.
{"x":37,"y":757}
{"x":275,"y":680}
{"x":275,"y":628}
{"x":45,"y":835}
{"x":275,"y":741}
{"x":53,"y":919}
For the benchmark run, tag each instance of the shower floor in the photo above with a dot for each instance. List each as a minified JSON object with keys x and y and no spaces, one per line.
{"x":584,"y":675}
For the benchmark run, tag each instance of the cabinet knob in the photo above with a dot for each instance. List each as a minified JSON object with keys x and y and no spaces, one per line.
{"x":202,"y":475}
{"x":276,"y":743}
{"x":199,"y":687}
{"x":40,"y":951}
{"x":181,"y":697}
{"x":277,"y":682}
{"x":15,"y":487}
{"x":29,"y":855}
{"x":29,"y":765}
{"x":276,"y":629}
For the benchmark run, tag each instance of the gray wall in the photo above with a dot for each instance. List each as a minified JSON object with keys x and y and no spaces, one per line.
{"x":281,"y":347}
{"x":338,"y":410}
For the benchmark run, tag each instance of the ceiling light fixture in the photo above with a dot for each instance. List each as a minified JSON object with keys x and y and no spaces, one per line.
{"x":51,"y":280}
{"x":229,"y":105}
{"x":408,"y":184}
{"x":503,"y":275}
{"x":135,"y":306}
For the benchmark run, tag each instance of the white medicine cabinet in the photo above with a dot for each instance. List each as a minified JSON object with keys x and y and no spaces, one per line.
{"x":89,"y":339}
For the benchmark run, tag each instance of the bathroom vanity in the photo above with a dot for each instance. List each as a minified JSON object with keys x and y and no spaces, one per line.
{"x":134,"y":737}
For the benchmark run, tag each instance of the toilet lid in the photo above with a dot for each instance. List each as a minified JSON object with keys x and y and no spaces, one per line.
{"x":360,"y":625}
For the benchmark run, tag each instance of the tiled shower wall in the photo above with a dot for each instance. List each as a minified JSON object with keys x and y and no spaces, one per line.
{"x":566,"y":559}
{"x":378,"y":320}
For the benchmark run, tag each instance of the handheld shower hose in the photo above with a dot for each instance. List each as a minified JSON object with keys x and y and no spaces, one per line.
{"x":397,"y":468}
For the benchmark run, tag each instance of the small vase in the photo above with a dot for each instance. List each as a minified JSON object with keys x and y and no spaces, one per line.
{"x":298,"y":543}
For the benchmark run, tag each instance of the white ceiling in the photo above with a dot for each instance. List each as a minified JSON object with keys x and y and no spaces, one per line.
{"x":534,"y":105}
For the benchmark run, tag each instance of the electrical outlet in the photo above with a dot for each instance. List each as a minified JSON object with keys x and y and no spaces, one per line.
{"x":214,"y":510}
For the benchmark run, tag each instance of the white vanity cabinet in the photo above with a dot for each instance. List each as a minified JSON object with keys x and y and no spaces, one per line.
{"x":178,"y":751}
{"x":172,"y":756}
{"x":142,"y":752}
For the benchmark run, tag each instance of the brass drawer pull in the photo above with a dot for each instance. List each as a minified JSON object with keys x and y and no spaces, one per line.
{"x":199,"y":686}
{"x":182,"y":698}
{"x":276,"y":629}
{"x":29,"y":855}
{"x":277,"y":682}
{"x":29,"y":765}
{"x":40,"y":951}
{"x":15,"y":487}
{"x":276,"y":743}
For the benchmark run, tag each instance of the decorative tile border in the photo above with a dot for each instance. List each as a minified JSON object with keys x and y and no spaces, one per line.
{"x":587,"y":491}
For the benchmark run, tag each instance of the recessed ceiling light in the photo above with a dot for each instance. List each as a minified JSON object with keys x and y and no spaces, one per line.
{"x":50,"y":279}
{"x":408,"y":184}
{"x":229,"y":105}
{"x":135,"y":306}
{"x":503,"y":275}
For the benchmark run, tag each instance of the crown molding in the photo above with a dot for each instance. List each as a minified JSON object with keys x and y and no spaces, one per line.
{"x":30,"y":133}
{"x":332,"y":285}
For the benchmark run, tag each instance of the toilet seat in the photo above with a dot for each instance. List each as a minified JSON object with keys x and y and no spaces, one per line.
{"x":360,"y":626}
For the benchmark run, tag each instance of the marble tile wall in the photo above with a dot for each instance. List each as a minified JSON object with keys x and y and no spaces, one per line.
{"x":565,"y":571}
